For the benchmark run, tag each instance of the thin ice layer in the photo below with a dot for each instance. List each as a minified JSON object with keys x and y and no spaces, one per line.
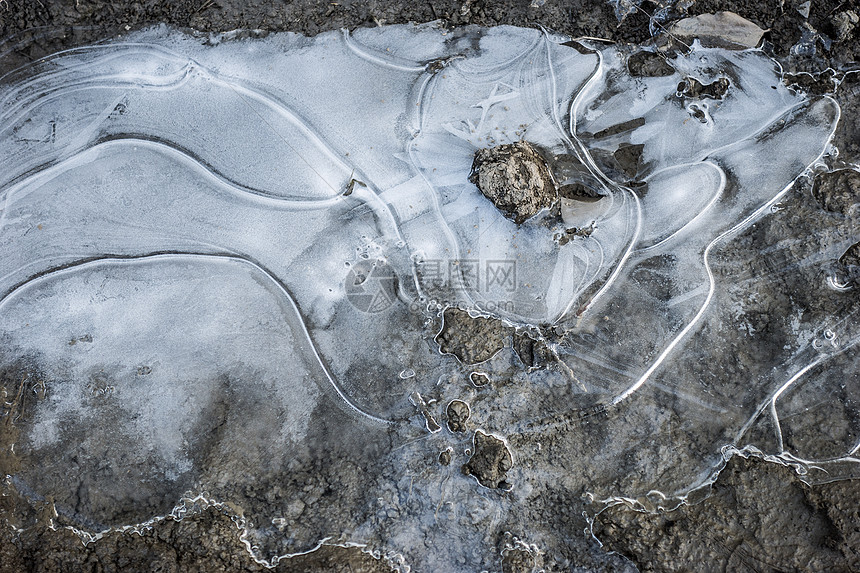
{"x":223,"y":267}
{"x":137,"y":396}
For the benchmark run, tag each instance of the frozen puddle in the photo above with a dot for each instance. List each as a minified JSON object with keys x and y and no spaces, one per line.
{"x":224,"y":266}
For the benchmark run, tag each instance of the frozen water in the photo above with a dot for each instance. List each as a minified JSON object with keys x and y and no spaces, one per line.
{"x":223,"y":266}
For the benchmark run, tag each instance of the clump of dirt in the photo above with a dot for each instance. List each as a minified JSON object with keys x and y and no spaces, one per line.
{"x":844,"y":23}
{"x":649,"y":64}
{"x":490,"y":462}
{"x":479,"y":379}
{"x":445,"y":457}
{"x":471,"y":339}
{"x":570,"y":234}
{"x":517,"y":561}
{"x":837,"y":191}
{"x":515,"y":178}
{"x":458,"y":414}
{"x":693,"y":88}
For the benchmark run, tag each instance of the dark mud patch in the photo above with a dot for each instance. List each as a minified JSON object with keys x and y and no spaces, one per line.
{"x":784,"y":24}
{"x":847,"y":136}
{"x":515,"y":177}
{"x":579,"y":192}
{"x":207,"y":542}
{"x":655,"y":276}
{"x":693,"y":88}
{"x":17,"y":382}
{"x":471,"y":339}
{"x":649,"y":64}
{"x":46,"y":26}
{"x":851,"y":258}
{"x":758,"y":517}
{"x":458,"y":414}
{"x":524,"y":346}
{"x":628,"y":158}
{"x":479,"y":379}
{"x":490,"y":462}
{"x":837,"y":191}
{"x":620,"y":128}
{"x":816,"y":84}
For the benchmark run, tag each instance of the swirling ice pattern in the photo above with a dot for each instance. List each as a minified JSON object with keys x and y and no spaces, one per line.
{"x":160,"y":185}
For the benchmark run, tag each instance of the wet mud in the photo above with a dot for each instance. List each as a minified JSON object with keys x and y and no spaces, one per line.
{"x":758,"y":517}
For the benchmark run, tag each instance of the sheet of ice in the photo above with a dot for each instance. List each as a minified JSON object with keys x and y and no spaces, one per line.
{"x":218,"y":258}
{"x":114,"y":336}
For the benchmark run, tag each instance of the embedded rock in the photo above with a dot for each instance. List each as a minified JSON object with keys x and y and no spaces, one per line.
{"x":722,"y":29}
{"x":515,"y":178}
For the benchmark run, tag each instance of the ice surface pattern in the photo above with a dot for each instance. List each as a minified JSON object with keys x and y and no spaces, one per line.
{"x":179,"y":219}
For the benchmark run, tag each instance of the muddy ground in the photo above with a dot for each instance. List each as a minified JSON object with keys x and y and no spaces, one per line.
{"x":758,"y":517}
